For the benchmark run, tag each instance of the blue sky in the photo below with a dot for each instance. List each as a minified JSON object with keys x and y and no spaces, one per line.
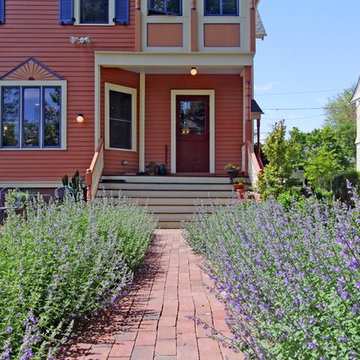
{"x":311,"y":53}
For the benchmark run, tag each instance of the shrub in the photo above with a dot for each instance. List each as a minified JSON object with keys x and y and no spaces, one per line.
{"x":63,"y":262}
{"x":340,"y":188}
{"x":290,"y":279}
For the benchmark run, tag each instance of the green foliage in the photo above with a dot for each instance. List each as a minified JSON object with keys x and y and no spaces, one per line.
{"x":231,"y":167}
{"x":340,"y":115}
{"x":340,"y":185}
{"x":62,"y":262}
{"x":77,"y":184}
{"x":279,"y":153}
{"x":321,"y":168}
{"x":323,"y":153}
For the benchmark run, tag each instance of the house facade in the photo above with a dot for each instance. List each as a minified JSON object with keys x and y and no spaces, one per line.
{"x":356,"y":101}
{"x":163,"y":81}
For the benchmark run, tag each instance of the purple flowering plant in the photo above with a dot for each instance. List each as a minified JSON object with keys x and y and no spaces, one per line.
{"x":289,"y":277}
{"x":63,"y":262}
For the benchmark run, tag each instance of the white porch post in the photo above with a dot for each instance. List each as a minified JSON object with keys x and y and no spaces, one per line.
{"x":142,"y":123}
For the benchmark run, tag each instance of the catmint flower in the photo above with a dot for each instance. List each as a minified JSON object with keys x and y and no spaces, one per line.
{"x":355,"y":308}
{"x":9,"y":329}
{"x":311,"y":345}
{"x":353,"y":264}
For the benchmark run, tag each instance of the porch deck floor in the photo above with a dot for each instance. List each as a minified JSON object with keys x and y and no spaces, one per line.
{"x":152,"y":321}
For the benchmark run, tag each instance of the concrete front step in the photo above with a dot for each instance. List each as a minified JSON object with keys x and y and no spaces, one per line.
{"x":181,"y":201}
{"x":166,"y":186}
{"x":171,"y":199}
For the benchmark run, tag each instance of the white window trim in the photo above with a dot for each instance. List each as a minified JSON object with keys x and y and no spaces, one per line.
{"x":211,"y":94}
{"x":63,"y":125}
{"x":133,"y":93}
{"x":111,"y":14}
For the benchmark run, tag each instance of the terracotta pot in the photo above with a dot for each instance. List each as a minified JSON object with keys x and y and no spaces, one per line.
{"x":239,"y":186}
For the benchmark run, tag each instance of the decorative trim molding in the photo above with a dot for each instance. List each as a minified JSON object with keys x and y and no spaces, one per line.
{"x":31,"y":70}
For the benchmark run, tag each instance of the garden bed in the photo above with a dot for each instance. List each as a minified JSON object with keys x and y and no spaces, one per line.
{"x":62,"y":262}
{"x":290,"y":279}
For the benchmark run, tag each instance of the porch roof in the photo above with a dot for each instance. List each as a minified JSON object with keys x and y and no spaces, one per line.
{"x":175,"y":63}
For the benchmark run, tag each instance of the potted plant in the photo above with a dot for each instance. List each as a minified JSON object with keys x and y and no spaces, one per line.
{"x":239,"y":183}
{"x":232,"y":170}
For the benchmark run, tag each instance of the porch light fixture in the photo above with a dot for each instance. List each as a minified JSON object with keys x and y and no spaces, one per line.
{"x":193,"y":71}
{"x":80,"y":118}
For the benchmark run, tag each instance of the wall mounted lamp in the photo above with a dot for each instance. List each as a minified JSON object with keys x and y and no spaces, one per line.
{"x":80,"y":118}
{"x":193,"y":71}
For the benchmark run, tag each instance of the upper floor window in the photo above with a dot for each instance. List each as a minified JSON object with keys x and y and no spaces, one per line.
{"x":94,"y":11}
{"x":221,"y":7}
{"x":32,"y":115}
{"x":164,"y":7}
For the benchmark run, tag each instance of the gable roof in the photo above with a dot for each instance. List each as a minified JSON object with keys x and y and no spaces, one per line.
{"x":356,"y":95}
{"x":31,"y":70}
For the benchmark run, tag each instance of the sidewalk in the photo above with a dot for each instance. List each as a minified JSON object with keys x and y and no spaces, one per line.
{"x":151,"y":322}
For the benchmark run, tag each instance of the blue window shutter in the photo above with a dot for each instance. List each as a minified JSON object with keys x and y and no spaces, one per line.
{"x":66,"y":12}
{"x":122,"y":12}
{"x":2,"y":11}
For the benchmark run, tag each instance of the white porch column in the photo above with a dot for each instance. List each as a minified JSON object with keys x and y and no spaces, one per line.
{"x":142,"y":123}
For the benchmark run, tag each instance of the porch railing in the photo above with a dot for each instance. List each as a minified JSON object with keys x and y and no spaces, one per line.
{"x":255,"y":166}
{"x":93,"y":173}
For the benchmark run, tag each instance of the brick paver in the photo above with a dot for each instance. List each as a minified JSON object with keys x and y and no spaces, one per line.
{"x":152,"y":322}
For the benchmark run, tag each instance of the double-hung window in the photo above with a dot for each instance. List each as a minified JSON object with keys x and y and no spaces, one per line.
{"x":120,"y":117}
{"x":33,"y":115}
{"x":165,"y":7}
{"x":94,"y":12}
{"x":222,"y":7}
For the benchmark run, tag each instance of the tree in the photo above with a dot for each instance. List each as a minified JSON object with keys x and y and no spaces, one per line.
{"x":341,"y":116}
{"x":321,"y":168}
{"x":281,"y":163}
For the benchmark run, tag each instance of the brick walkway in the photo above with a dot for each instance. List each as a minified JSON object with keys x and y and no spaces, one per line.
{"x":151,"y":322}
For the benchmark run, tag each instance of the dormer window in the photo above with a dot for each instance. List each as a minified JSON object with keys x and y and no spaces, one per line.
{"x":222,"y":7}
{"x":94,"y":11}
{"x":165,"y":7}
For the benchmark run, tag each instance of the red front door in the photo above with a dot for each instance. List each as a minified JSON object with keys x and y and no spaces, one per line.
{"x":192,"y":133}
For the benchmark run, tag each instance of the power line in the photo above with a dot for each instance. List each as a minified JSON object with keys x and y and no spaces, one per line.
{"x":289,"y":109}
{"x":299,"y":92}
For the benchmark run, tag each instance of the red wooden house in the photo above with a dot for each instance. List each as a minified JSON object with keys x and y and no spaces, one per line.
{"x":164,"y":81}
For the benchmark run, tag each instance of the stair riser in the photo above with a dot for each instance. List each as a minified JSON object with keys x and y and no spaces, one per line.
{"x":167,"y":194}
{"x":167,"y":187}
{"x":181,"y":201}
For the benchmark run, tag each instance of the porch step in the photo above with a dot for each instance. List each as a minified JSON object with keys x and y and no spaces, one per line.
{"x":171,"y":199}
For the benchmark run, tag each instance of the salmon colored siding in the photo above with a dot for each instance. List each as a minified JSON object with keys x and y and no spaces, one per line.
{"x":32,"y":29}
{"x":228,"y":115}
{"x":113,"y":158}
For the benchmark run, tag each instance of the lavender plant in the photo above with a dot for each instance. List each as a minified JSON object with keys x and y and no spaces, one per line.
{"x":62,"y":262}
{"x":290,"y":279}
